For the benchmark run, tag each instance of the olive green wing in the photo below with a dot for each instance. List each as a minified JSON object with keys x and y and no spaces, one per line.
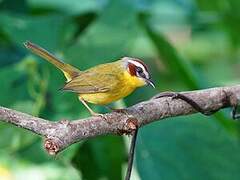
{"x":92,"y":82}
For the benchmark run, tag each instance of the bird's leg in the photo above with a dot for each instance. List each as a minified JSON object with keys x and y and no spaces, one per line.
{"x":188,"y":100}
{"x":89,"y":109}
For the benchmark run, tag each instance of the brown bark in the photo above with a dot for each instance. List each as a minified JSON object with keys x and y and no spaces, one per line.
{"x":61,"y":134}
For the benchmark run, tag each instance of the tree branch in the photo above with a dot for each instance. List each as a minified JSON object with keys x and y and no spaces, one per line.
{"x":61,"y":134}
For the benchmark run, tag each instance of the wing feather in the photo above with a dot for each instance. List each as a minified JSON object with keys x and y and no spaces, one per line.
{"x":91,"y":82}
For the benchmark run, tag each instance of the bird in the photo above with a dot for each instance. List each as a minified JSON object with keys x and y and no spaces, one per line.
{"x":103,"y":83}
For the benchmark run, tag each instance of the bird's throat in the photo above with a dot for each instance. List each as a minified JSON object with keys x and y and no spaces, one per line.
{"x":133,"y":80}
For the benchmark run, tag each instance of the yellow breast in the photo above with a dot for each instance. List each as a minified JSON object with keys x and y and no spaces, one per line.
{"x":126,"y":85}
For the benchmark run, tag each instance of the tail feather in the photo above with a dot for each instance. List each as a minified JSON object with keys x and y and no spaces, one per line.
{"x":69,"y":71}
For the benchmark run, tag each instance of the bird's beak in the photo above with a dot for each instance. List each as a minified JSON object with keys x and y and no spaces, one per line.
{"x":150,"y":82}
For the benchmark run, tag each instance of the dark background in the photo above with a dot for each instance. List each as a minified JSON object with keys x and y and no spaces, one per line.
{"x":188,"y":44}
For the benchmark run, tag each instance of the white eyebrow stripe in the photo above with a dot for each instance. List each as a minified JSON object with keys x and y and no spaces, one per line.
{"x":138,"y":64}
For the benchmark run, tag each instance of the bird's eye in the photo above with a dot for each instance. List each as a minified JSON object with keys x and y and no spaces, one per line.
{"x":139,"y":70}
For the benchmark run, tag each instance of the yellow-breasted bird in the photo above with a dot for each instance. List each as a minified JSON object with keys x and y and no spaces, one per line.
{"x":102,"y":84}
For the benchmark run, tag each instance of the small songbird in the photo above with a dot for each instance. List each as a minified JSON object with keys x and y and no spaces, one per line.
{"x":102,"y":84}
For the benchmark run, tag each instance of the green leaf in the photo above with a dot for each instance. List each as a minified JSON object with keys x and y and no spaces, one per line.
{"x":16,"y":138}
{"x":10,"y":55}
{"x":44,"y":30}
{"x":14,"y":81}
{"x":187,"y":147}
{"x":19,"y":6}
{"x":14,"y":86}
{"x":72,"y":7}
{"x":106,"y":39}
{"x":177,"y":64}
{"x":101,"y":157}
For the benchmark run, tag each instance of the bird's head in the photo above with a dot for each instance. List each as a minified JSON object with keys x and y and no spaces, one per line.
{"x":138,"y":72}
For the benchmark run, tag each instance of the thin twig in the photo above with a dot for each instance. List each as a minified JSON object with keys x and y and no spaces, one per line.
{"x":131,"y":155}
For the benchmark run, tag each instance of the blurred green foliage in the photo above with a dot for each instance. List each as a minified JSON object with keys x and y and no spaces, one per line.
{"x":188,"y":44}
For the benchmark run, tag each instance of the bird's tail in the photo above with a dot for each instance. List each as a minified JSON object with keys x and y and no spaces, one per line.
{"x":69,"y":71}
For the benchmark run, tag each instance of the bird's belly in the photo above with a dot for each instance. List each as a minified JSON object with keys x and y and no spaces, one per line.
{"x":107,"y":97}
